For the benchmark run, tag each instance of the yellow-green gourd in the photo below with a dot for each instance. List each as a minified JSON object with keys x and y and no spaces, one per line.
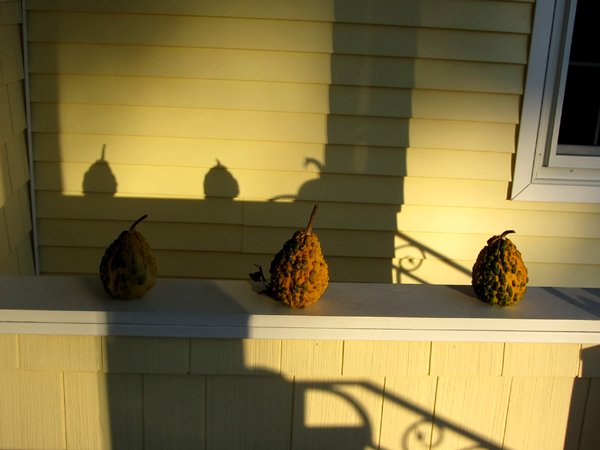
{"x":128,"y":269}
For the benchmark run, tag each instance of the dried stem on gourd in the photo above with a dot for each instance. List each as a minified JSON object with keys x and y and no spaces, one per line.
{"x":137,"y":221}
{"x":311,"y":220}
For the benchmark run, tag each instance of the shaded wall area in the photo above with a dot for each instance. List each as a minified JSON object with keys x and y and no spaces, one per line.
{"x":16,"y":253}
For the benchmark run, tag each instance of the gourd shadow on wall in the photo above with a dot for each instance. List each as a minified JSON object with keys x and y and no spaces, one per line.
{"x":99,"y":178}
{"x":220,"y":183}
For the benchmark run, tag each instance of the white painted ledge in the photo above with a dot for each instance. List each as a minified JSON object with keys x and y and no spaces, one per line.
{"x":232,"y":309}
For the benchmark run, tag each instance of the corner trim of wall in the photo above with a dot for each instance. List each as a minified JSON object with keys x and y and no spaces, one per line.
{"x":32,"y":202}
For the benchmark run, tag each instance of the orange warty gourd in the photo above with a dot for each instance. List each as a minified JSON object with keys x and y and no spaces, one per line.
{"x":299,"y":273}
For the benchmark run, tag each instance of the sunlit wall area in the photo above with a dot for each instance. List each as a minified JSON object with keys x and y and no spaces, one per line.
{"x":16,"y":252}
{"x":465,"y":118}
{"x":226,"y":123}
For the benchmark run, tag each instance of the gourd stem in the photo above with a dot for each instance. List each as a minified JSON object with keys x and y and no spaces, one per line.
{"x":506,"y":232}
{"x":137,"y":221}
{"x":312,"y":219}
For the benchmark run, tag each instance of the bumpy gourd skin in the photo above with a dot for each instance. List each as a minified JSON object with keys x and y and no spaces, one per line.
{"x":499,"y":274}
{"x":299,"y":273}
{"x":128,"y":269}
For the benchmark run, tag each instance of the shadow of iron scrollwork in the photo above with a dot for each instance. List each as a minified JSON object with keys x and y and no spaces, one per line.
{"x":411,"y":256}
{"x":428,"y":431}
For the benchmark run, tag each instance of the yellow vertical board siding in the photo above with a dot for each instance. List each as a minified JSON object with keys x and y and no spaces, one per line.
{"x":470,"y":411}
{"x":466,"y":358}
{"x":174,"y":412}
{"x":543,"y":360}
{"x":233,"y":356}
{"x":146,"y":355}
{"x":385,"y":358}
{"x":311,"y":357}
{"x":407,"y":414}
{"x":248,"y":412}
{"x":589,"y":430}
{"x":87,"y":416}
{"x":103,"y":411}
{"x":8,"y":352}
{"x":60,"y":353}
{"x":31,"y":410}
{"x":538,"y":413}
{"x":335,"y":413}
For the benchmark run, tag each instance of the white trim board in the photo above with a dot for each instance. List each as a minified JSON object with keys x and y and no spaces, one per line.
{"x":77,"y":305}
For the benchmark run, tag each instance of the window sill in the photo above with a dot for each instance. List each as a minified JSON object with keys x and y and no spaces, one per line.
{"x":348,"y":311}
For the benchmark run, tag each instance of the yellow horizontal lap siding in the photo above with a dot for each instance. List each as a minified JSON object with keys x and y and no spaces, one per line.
{"x":186,"y":152}
{"x":180,"y":62}
{"x":298,"y":36}
{"x":246,"y":155}
{"x":182,"y":93}
{"x":176,"y":236}
{"x":189,"y":183}
{"x":311,"y":102}
{"x":271,"y":96}
{"x":257,"y":65}
{"x":217,"y":265}
{"x":465,"y":165}
{"x":484,"y":15}
{"x":333,"y":242}
{"x":430,"y":271}
{"x":180,"y":31}
{"x":449,"y":192}
{"x":346,"y":216}
{"x":445,"y":134}
{"x":488,"y":221}
{"x":105,"y":207}
{"x":534,"y":249}
{"x":179,"y":122}
{"x":466,"y":106}
{"x":207,"y":237}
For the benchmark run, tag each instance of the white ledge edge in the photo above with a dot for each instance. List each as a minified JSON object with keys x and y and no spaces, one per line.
{"x":77,"y":305}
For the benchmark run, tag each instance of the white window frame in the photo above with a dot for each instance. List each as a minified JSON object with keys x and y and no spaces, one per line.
{"x":540,"y":174}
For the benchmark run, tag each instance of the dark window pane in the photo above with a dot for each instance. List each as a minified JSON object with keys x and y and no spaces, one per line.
{"x":580,"y":120}
{"x":581,"y":106}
